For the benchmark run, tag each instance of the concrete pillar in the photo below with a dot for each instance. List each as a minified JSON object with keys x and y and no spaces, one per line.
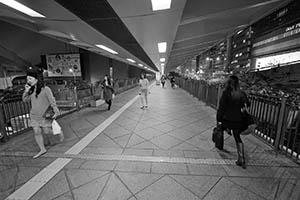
{"x":228,"y":52}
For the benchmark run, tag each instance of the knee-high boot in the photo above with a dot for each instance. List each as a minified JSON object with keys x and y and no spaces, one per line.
{"x":109,"y":104}
{"x":241,"y":155}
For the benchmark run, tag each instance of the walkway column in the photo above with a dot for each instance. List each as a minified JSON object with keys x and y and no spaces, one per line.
{"x":228,"y":53}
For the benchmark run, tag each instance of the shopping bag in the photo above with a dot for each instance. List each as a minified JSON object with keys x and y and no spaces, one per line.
{"x":218,"y":137}
{"x":56,"y":129}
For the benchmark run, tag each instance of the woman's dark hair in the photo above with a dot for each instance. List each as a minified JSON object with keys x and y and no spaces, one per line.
{"x":39,"y":85}
{"x":233,"y":86}
{"x":108,"y":79}
{"x":40,"y":82}
{"x":142,"y":74}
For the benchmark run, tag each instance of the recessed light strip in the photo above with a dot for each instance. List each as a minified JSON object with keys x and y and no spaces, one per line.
{"x":106,"y":49}
{"x":130,"y":60}
{"x":22,"y":8}
{"x":160,"y":4}
{"x":162,"y":59}
{"x":162,"y":47}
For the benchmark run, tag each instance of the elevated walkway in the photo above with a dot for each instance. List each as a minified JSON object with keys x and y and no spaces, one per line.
{"x":163,"y":152}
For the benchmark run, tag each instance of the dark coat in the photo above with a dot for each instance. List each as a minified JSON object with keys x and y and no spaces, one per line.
{"x":229,"y":111}
{"x":108,"y":91}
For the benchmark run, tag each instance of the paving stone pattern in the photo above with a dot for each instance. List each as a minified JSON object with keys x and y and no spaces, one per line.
{"x":140,"y":148}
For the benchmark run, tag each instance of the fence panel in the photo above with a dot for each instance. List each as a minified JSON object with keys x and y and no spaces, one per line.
{"x":14,"y":112}
{"x":266,"y":113}
{"x":278,"y":122}
{"x":16,"y":116}
{"x":290,"y":138}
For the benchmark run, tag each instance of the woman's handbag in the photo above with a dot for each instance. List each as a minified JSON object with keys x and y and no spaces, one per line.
{"x":49,"y":113}
{"x":218,"y":137}
{"x":249,"y":124}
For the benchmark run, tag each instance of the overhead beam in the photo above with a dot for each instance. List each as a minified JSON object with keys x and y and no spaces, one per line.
{"x":187,"y":52}
{"x":195,"y":45}
{"x":224,"y":12}
{"x":14,"y":58}
{"x":211,"y":33}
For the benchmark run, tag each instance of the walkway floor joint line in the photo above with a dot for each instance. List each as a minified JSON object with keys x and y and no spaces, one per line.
{"x":135,"y":158}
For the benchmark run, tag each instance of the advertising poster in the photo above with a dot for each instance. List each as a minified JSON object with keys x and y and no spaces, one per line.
{"x":59,"y":65}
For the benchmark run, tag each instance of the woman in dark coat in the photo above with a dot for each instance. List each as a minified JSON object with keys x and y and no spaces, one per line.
{"x":229,"y":113}
{"x":108,"y":91}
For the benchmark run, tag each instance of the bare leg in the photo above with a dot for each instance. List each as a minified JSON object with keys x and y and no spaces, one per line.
{"x":142,"y":100}
{"x":40,"y":141}
{"x":146,"y":100}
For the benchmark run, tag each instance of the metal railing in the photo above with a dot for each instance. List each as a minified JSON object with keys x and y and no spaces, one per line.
{"x":278,"y":121}
{"x":14,"y":113}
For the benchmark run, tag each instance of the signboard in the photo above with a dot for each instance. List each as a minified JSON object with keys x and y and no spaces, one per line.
{"x":59,"y":65}
{"x":277,"y":60}
{"x":281,"y":33}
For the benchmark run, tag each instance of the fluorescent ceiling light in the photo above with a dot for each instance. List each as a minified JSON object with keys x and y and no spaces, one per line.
{"x":160,"y":4}
{"x":162,"y":47}
{"x":140,"y":65}
{"x":22,"y":8}
{"x":130,"y":60}
{"x":162,"y":60}
{"x":106,"y":49}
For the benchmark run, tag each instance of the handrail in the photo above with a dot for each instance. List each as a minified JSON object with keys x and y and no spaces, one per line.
{"x":14,"y":113}
{"x":277,"y":118}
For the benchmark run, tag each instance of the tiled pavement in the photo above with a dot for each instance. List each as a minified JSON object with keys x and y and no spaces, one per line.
{"x":163,"y":152}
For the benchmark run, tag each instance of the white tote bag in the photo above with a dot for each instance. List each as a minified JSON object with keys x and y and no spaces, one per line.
{"x":56,"y":129}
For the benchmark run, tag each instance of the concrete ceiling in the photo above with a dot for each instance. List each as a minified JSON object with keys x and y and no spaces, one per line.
{"x":131,"y":28}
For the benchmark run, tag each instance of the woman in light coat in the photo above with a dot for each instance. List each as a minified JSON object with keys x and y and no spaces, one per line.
{"x":40,"y":97}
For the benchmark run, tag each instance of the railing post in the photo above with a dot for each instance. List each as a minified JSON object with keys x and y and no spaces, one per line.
{"x":280,"y":124}
{"x":76,"y":98}
{"x":206,"y":95}
{"x":219,"y":95}
{"x":2,"y":124}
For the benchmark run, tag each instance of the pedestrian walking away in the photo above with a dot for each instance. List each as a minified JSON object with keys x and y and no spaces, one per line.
{"x":163,"y":81}
{"x":230,"y":116}
{"x":42,"y":102}
{"x":172,"y":81}
{"x":108,"y":91}
{"x":144,"y":90}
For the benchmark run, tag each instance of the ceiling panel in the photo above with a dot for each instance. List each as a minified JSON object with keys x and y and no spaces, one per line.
{"x":101,"y":16}
{"x":210,"y":8}
{"x":149,"y":27}
{"x":133,"y":29}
